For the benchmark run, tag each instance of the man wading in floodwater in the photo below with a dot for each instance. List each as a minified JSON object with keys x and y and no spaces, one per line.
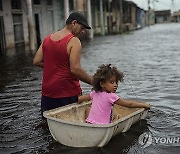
{"x":59,"y":56}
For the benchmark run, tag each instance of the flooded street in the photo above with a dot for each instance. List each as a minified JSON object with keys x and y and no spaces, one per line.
{"x":150,"y":59}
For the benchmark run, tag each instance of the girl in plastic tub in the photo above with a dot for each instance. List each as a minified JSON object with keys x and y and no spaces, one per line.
{"x":105,"y":83}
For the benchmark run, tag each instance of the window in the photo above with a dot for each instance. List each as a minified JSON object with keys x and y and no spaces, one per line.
{"x":49,"y":2}
{"x":18,"y":29}
{"x":37,"y":2}
{"x":1,"y":7}
{"x":2,"y":37}
{"x":50,"y":20}
{"x":17,"y":18}
{"x":16,"y":4}
{"x":71,"y":5}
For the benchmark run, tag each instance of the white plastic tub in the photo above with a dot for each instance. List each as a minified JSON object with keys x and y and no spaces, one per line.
{"x":67,"y":125}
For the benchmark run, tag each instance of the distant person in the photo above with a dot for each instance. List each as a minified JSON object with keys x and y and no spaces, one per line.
{"x":105,"y":83}
{"x":59,"y":56}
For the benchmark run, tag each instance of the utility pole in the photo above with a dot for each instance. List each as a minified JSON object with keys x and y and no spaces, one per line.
{"x":89,"y":18}
{"x":101,"y":17}
{"x":154,"y":4}
{"x":121,"y":16}
{"x":66,"y":9}
{"x":172,"y":11}
{"x":148,"y":13}
{"x":30,"y":25}
{"x":172,"y":6}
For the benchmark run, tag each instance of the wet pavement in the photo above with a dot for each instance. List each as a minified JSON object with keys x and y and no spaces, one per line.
{"x":150,"y":58}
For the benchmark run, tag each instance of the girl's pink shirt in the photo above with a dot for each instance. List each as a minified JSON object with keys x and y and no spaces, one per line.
{"x":101,"y":109}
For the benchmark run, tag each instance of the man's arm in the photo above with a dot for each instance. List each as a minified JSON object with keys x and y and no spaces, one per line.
{"x":38,"y":58}
{"x":75,"y":66}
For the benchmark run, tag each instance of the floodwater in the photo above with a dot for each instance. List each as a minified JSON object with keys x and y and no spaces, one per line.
{"x":150,"y":59}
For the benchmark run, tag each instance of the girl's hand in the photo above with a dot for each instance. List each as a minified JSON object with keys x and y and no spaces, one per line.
{"x":147,"y":106}
{"x":83,"y":98}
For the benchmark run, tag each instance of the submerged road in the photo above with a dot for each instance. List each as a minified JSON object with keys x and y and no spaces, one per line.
{"x":150,"y":59}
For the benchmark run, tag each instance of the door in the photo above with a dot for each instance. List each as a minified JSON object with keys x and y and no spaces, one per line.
{"x":18,"y":30}
{"x":37,"y":25}
{"x":2,"y":36}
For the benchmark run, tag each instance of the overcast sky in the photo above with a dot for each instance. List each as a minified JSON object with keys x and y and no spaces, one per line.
{"x":159,"y":4}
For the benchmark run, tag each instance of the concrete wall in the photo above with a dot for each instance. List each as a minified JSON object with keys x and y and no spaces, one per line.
{"x":46,"y":23}
{"x":51,"y":18}
{"x":8,"y":23}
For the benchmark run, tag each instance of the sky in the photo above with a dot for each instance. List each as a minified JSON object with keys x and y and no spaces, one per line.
{"x":159,"y":4}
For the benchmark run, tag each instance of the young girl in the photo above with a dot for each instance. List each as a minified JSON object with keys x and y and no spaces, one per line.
{"x":103,"y":96}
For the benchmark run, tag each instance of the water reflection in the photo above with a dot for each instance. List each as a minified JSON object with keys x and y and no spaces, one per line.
{"x":15,"y":66}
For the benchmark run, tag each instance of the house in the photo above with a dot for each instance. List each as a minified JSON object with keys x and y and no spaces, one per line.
{"x":141,"y":19}
{"x":176,"y":16}
{"x":27,"y":22}
{"x":15,"y":26}
{"x":129,"y":15}
{"x":150,"y":17}
{"x":106,"y":16}
{"x":163,"y":16}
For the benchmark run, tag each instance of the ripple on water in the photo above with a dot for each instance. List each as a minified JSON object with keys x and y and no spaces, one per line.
{"x":164,"y":120}
{"x":150,"y":59}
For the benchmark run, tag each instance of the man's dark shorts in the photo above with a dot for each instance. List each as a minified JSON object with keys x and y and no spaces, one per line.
{"x":48,"y":103}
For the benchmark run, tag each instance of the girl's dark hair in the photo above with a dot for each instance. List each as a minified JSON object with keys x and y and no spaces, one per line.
{"x":104,"y":73}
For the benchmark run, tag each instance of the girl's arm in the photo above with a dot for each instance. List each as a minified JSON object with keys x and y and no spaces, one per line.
{"x":84,"y":98}
{"x":132,"y":104}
